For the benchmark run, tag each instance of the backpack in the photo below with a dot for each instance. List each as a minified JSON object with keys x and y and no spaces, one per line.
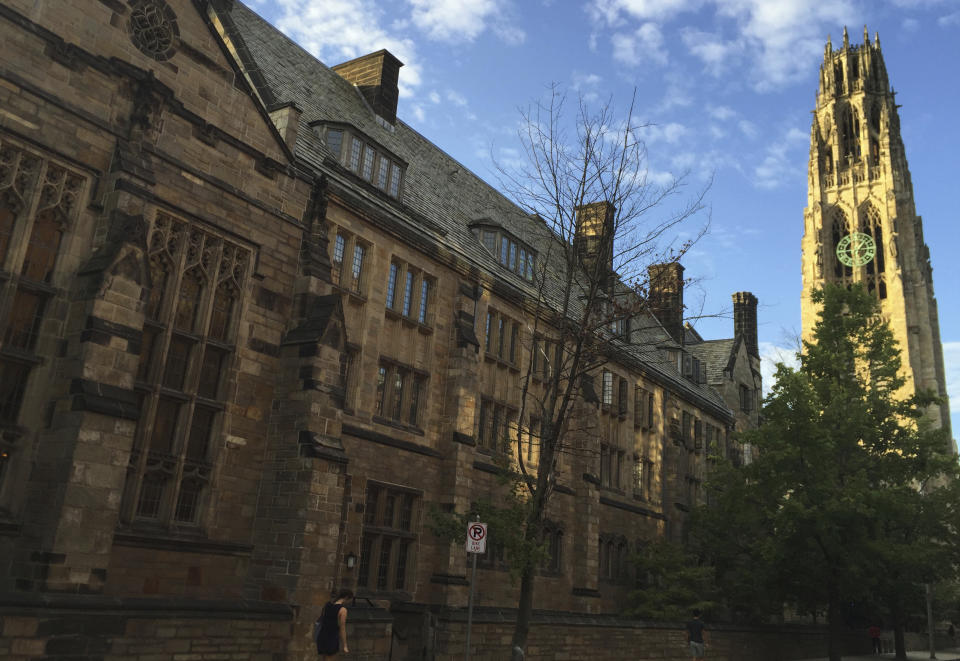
{"x":318,"y":627}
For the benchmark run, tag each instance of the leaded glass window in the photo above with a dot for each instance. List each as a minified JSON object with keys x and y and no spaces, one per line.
{"x":185,"y":355}
{"x":39,"y":203}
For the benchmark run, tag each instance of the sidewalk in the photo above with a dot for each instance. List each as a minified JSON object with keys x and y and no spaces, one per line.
{"x":951,"y":654}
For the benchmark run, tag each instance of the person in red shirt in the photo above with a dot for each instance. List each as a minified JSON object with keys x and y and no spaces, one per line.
{"x":875,"y":638}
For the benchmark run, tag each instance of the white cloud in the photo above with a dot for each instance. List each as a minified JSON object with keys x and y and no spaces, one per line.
{"x":910,"y":25}
{"x":722,"y":113}
{"x":677,"y":94}
{"x":434,"y":97}
{"x":777,"y":165}
{"x":339,"y":30}
{"x":456,"y":98}
{"x":418,"y":112}
{"x":784,"y":37}
{"x":949,"y":20}
{"x":748,"y":128}
{"x":669,"y":133}
{"x":715,"y":53}
{"x":613,"y":12}
{"x":640,"y":47}
{"x":463,"y":20}
{"x":770,"y":355}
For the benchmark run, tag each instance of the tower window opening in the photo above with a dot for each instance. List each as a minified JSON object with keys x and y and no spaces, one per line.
{"x":843,"y":274}
{"x":838,"y":78}
{"x":849,"y":135}
{"x":871,"y":225}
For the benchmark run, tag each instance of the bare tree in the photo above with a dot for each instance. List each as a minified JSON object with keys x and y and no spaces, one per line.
{"x":607,"y":221}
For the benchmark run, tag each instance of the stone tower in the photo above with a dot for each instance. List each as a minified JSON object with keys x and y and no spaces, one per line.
{"x":859,"y":182}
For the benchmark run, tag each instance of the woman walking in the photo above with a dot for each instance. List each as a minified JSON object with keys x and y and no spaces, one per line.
{"x":332,"y":636}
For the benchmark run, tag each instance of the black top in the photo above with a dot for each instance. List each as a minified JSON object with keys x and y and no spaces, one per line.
{"x":695,"y":631}
{"x":329,"y":640}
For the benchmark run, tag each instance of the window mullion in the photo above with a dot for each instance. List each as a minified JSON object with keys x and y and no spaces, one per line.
{"x":182,"y":438}
{"x":23,"y":223}
{"x":147,"y":414}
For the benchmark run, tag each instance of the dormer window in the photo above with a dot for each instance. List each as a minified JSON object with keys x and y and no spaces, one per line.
{"x":365,"y":158}
{"x":507,"y":250}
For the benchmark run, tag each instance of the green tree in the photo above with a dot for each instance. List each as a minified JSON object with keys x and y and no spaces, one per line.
{"x":671,"y":581}
{"x":852,"y":497}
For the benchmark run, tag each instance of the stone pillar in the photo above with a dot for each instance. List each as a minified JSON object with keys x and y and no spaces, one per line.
{"x":462,"y":388}
{"x":75,"y":486}
{"x":586,"y":529}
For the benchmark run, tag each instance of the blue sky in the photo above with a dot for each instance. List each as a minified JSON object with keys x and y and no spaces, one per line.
{"x":728,"y":86}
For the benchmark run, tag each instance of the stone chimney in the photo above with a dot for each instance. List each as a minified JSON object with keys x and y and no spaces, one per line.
{"x":286,"y":118}
{"x":745,"y":320}
{"x":593,"y":236}
{"x":376,"y":76}
{"x":666,"y":297}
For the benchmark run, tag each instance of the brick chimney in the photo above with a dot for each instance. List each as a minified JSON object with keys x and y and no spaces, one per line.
{"x":745,"y":320}
{"x":666,"y":297}
{"x":593,"y":236}
{"x":376,"y":76}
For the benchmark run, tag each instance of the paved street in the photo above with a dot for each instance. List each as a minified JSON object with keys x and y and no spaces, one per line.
{"x":922,"y":655}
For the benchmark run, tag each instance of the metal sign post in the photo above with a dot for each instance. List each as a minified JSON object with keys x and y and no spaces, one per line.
{"x":476,"y":544}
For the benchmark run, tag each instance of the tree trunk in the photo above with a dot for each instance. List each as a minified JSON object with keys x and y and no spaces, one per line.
{"x":524,"y":611}
{"x":835,"y":625}
{"x":896,"y":614}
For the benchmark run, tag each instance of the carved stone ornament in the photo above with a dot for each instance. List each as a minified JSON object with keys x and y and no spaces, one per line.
{"x":153,"y":28}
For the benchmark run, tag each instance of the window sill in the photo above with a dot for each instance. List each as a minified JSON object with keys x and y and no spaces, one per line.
{"x":189,"y":542}
{"x":21,"y":356}
{"x":352,"y":295}
{"x":396,"y":424}
{"x":391,"y":595}
{"x":614,"y":490}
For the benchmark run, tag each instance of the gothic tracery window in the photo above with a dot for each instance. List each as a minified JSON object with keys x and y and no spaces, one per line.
{"x":874,"y":275}
{"x":849,"y":135}
{"x":153,"y":28}
{"x":191,"y":309}
{"x":39,"y":200}
{"x":842,"y":274}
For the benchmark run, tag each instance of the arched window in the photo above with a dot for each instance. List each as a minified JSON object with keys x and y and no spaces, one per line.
{"x":840,"y":227}
{"x":838,"y":77}
{"x":197,"y":280}
{"x":849,"y":134}
{"x":875,"y":118}
{"x":871,"y":224}
{"x":9,"y":208}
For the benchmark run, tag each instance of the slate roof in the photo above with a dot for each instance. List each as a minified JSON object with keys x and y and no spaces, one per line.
{"x":436,"y":186}
{"x":719,"y":355}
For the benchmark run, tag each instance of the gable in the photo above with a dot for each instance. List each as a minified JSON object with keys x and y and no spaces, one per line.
{"x":170,"y":40}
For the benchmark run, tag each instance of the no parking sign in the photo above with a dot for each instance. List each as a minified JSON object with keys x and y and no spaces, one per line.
{"x":476,"y":537}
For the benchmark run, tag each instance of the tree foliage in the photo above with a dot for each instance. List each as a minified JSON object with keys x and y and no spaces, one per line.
{"x":853,"y":496}
{"x":671,"y":582}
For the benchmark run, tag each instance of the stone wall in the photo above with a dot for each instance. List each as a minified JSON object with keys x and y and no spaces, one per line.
{"x":94,"y":628}
{"x":558,"y":636}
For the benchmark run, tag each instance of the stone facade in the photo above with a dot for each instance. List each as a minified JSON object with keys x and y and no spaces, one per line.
{"x":859,"y":182}
{"x":252,"y":332}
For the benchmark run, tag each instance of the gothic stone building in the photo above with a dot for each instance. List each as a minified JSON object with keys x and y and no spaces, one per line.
{"x":861,"y":223}
{"x":253,"y":327}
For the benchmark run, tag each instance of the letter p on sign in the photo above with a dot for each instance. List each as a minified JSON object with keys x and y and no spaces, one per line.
{"x":476,"y":538}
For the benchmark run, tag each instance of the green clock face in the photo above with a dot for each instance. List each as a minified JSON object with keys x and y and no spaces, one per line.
{"x":856,"y":249}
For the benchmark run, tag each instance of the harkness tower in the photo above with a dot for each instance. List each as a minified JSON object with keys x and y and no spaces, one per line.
{"x":861,"y":224}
